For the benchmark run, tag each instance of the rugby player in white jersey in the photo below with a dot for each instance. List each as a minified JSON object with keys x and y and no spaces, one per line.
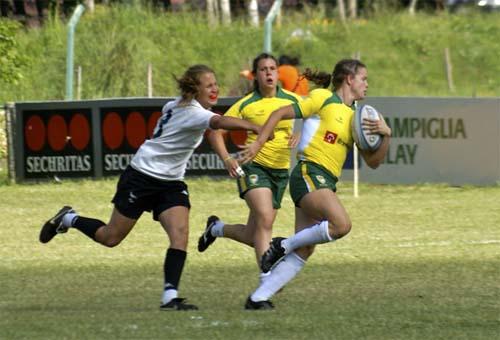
{"x":154,"y":179}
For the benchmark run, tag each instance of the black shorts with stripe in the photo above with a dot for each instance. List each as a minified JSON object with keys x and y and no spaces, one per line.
{"x":137,"y":192}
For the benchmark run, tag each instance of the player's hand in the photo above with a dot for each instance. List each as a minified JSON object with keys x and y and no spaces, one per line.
{"x":231,"y":165}
{"x":377,"y":126}
{"x":249,"y":152}
{"x":294,"y":139}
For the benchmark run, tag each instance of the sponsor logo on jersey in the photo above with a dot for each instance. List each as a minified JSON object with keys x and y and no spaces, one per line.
{"x":330,"y":137}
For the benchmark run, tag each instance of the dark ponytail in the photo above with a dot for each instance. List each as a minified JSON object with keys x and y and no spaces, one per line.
{"x":318,"y":77}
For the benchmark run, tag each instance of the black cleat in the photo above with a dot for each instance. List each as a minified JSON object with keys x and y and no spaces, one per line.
{"x":206,"y":239}
{"x":273,"y":255}
{"x":259,"y":305}
{"x":54,"y":226}
{"x":177,"y":304}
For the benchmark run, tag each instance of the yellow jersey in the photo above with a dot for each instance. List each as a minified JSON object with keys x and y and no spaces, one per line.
{"x":275,"y":154}
{"x":326,"y":134}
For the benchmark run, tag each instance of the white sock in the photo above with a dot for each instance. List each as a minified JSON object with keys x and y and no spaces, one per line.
{"x":263,"y":277}
{"x":168,"y":295}
{"x":68,"y":219}
{"x":315,"y":234}
{"x":218,"y":229}
{"x":285,"y":271}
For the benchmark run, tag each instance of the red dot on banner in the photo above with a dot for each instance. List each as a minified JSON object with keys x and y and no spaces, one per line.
{"x":112,"y":130}
{"x":135,"y":128}
{"x":79,"y":130}
{"x":34,"y":133}
{"x":153,"y":119}
{"x":57,"y":132}
{"x":238,"y":137}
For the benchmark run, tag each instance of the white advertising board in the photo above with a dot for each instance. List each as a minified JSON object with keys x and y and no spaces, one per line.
{"x":439,"y":140}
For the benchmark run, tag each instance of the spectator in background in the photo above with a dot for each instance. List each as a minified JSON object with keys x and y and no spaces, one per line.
{"x":31,"y":13}
{"x":290,"y":77}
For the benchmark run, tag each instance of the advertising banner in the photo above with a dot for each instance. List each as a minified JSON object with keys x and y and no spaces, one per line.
{"x":440,"y":140}
{"x":57,"y":142}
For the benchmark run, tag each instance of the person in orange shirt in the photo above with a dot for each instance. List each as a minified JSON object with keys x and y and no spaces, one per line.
{"x":288,"y":75}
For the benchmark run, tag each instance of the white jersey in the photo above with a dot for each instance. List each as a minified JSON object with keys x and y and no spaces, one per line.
{"x":178,"y":132}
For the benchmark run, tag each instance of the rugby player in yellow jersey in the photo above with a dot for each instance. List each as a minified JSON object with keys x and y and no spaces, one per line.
{"x":326,"y":139}
{"x":266,"y":177}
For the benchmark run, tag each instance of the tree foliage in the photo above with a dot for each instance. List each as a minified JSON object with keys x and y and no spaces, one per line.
{"x":11,"y":59}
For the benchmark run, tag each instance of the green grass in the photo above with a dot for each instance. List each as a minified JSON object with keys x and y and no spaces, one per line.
{"x":422,"y":262}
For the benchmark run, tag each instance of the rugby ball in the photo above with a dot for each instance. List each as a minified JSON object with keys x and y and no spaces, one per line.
{"x":364,"y":139}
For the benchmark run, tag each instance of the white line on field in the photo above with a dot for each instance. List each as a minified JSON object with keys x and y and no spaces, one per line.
{"x":444,"y":243}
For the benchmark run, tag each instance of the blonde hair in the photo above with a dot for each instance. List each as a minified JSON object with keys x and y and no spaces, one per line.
{"x":188,"y":83}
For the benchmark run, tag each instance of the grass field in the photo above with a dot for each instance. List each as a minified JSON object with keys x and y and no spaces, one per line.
{"x":422,"y":262}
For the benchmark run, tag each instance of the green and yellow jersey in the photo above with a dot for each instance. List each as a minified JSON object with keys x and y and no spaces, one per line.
{"x":275,"y":154}
{"x":326,"y":135}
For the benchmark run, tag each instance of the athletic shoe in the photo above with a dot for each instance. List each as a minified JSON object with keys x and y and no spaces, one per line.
{"x":54,"y":226}
{"x":259,"y":305}
{"x":177,"y":304}
{"x":273,"y":255}
{"x":206,"y":239}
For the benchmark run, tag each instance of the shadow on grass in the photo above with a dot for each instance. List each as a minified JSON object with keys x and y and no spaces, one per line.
{"x":440,"y":299}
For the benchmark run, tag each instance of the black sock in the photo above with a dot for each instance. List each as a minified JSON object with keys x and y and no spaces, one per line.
{"x":87,"y":225}
{"x":172,"y":267}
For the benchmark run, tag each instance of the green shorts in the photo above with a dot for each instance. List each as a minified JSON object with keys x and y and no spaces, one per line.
{"x":258,"y":176}
{"x":307,"y":177}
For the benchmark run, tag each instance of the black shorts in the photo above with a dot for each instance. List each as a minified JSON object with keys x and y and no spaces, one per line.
{"x":137,"y":192}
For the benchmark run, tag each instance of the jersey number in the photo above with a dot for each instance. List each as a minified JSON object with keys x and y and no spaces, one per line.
{"x":164,"y":120}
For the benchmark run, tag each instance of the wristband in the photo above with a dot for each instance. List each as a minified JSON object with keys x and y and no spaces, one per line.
{"x":228,"y":158}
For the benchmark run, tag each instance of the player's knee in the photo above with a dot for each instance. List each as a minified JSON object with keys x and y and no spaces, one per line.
{"x":265,"y":222}
{"x":180,"y":235}
{"x":112,"y":242}
{"x":179,"y":240}
{"x":111,"y":238}
{"x":340,"y":228}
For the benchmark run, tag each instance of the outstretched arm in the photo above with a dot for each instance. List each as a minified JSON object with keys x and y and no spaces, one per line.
{"x":216,"y":140}
{"x":251,"y":150}
{"x":232,"y":123}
